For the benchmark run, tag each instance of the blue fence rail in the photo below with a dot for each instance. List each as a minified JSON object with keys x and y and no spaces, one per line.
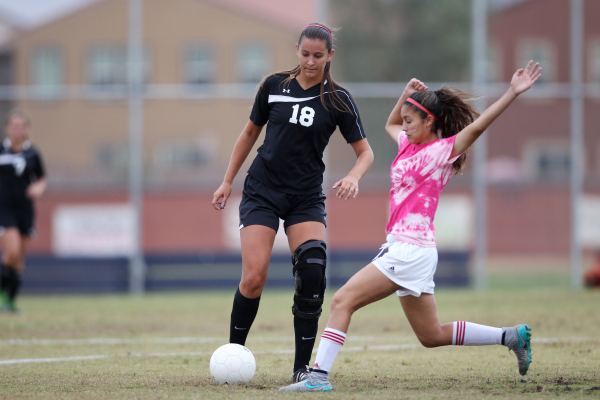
{"x":54,"y":275}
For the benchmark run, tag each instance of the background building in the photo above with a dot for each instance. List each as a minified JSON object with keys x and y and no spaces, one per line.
{"x":203,"y":60}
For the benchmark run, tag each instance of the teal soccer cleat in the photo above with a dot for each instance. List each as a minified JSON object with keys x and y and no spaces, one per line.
{"x":317,"y":381}
{"x":518,"y":339}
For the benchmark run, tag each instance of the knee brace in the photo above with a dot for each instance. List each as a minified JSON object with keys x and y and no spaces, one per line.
{"x":310,"y":261}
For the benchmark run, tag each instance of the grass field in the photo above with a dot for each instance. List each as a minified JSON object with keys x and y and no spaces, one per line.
{"x":159,"y":346}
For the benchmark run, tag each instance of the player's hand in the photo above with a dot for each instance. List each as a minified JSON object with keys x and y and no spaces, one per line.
{"x":346,"y":187}
{"x":35,"y":190}
{"x":524,"y":78}
{"x":221,"y":195}
{"x":414,"y":85}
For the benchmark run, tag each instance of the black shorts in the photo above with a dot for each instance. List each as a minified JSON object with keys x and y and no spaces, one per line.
{"x":262,"y":205}
{"x":19,"y":216}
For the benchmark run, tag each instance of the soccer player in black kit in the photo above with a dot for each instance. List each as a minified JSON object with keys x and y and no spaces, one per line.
{"x":21,"y":182}
{"x":301,"y":108}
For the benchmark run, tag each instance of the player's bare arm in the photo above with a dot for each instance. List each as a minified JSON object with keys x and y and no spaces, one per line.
{"x":348,"y":186}
{"x":521,"y":81}
{"x":242,"y":148}
{"x":394,"y":122}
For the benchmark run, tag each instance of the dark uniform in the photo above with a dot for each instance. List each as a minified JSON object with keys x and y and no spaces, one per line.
{"x":284,"y":182}
{"x":285,"y":178}
{"x":17,"y":171}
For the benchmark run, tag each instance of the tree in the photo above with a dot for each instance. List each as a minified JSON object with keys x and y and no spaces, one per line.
{"x":396,"y":40}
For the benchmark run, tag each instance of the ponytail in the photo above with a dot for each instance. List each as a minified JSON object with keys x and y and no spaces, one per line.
{"x":454,"y":112}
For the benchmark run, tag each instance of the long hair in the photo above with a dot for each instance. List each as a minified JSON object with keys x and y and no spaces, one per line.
{"x":319,"y":32}
{"x":453,"y":110}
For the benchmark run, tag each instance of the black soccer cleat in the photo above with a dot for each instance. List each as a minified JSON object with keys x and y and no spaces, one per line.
{"x":301,"y":374}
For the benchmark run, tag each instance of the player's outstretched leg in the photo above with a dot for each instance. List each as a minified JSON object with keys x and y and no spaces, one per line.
{"x":518,"y":339}
{"x":316,"y":381}
{"x":422,"y":314}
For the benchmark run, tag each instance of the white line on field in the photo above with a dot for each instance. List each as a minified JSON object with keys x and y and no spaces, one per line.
{"x":175,"y":340}
{"x":563,"y":340}
{"x":200,"y":353}
{"x":285,"y":351}
{"x":46,"y":360}
{"x":204,"y":340}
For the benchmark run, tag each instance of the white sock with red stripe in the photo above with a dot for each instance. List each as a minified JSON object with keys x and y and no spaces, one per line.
{"x":470,"y":334}
{"x":329,"y":347}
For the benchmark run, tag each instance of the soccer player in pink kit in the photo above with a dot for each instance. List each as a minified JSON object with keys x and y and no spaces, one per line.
{"x":433,"y":130}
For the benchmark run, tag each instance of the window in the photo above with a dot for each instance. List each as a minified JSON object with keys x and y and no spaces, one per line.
{"x":113,"y":158}
{"x":200,"y":66}
{"x":594,"y":61}
{"x":107,"y":67}
{"x":548,"y":160}
{"x":538,"y":50}
{"x":185,"y":154}
{"x":253,"y":61}
{"x":46,"y":71}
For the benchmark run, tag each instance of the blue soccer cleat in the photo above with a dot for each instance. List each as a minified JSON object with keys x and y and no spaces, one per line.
{"x":518,"y":339}
{"x":317,"y":381}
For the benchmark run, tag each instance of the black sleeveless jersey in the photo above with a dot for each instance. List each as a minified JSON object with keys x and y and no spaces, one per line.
{"x":17,"y":171}
{"x":291,"y":158}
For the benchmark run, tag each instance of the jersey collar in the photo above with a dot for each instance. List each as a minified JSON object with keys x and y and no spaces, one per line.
{"x":310,"y":88}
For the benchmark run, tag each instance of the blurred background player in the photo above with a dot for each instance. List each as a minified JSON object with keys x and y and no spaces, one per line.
{"x":434,"y":131}
{"x":303,"y":107}
{"x":591,"y":278}
{"x":21,"y":182}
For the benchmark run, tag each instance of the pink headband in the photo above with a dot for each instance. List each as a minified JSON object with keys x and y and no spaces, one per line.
{"x":322,"y":27}
{"x":412,"y":101}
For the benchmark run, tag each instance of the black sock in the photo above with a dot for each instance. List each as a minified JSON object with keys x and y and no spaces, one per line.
{"x":242,"y":316}
{"x":306,"y":334}
{"x":15,"y":285}
{"x":5,"y":277}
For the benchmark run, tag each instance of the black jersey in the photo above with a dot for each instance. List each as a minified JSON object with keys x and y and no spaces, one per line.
{"x":291,"y":158}
{"x":17,"y":171}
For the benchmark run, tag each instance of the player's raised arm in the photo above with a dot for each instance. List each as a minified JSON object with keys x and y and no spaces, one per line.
{"x":241,"y":150}
{"x":394,"y":122}
{"x":521,"y":81}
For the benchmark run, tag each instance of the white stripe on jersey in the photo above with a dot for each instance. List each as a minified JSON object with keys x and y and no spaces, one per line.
{"x":287,"y":99}
{"x":6,"y":159}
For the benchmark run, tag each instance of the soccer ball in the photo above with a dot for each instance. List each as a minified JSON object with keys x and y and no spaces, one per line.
{"x":232,"y":363}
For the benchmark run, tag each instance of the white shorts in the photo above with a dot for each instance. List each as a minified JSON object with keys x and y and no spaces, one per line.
{"x":408,"y":265}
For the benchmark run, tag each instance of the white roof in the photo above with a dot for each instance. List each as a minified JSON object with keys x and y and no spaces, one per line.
{"x":28,"y":14}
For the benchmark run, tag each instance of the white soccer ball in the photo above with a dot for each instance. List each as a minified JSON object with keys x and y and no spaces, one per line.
{"x":231,"y":364}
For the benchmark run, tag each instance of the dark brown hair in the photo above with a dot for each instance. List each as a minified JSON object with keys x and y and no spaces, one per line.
{"x":319,"y":32}
{"x":453,"y":110}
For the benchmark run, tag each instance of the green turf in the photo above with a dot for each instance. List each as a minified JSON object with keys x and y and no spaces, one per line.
{"x":518,"y":281}
{"x":562,"y":369}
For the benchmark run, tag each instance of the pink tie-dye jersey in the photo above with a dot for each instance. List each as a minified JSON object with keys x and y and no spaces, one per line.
{"x":419,"y":173}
